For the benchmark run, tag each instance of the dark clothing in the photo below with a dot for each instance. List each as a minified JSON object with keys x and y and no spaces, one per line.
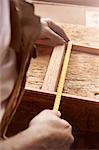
{"x":25,"y":29}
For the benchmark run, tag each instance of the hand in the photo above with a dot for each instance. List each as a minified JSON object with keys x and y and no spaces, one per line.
{"x":54,"y":133}
{"x":51,"y":34}
{"x":45,"y":132}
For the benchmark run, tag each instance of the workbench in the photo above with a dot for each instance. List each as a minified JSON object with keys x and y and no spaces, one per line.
{"x":80,"y":99}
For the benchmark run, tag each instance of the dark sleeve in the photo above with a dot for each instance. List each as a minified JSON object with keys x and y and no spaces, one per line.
{"x":24,"y":21}
{"x":25,"y":26}
{"x":25,"y":29}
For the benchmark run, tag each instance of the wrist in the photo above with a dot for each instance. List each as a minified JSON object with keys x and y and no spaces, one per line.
{"x":4,"y":145}
{"x":27,"y":140}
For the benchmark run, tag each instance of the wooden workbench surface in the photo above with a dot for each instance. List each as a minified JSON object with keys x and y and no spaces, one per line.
{"x":83,"y":71}
{"x":83,"y":75}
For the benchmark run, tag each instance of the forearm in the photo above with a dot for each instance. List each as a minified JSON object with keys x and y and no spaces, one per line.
{"x":22,"y":141}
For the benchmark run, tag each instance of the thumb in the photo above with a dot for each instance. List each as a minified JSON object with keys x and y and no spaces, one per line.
{"x":57,"y":29}
{"x":57,"y":113}
{"x":54,"y":37}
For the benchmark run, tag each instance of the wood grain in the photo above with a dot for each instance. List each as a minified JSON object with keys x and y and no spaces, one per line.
{"x":50,"y":82}
{"x":83,"y":72}
{"x":86,"y":49}
{"x":38,"y":68}
{"x":81,"y":35}
{"x":83,"y":75}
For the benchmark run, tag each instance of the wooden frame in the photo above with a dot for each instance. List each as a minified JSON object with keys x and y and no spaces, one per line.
{"x":82,"y":112}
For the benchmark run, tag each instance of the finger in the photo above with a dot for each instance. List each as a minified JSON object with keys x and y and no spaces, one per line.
{"x":52,"y":112}
{"x":66,"y":124}
{"x":55,"y":38}
{"x":46,"y":42}
{"x":69,"y":137}
{"x":56,"y":28}
{"x":52,"y":39}
{"x":57,"y":113}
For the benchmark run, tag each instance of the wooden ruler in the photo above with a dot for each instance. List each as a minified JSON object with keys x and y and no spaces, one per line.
{"x":62,"y":77}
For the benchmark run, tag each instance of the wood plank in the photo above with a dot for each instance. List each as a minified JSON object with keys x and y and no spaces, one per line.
{"x":52,"y":75}
{"x":86,"y":49}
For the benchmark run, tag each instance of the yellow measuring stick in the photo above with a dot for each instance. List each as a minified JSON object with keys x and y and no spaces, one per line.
{"x":62,"y":77}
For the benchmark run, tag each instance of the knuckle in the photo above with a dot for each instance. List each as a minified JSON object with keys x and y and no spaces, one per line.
{"x":50,"y":22}
{"x":67,"y":125}
{"x":70,"y":127}
{"x":70,"y":139}
{"x":31,"y":123}
{"x":47,"y":20}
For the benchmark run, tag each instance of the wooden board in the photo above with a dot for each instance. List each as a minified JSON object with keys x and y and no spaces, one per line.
{"x":54,"y":68}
